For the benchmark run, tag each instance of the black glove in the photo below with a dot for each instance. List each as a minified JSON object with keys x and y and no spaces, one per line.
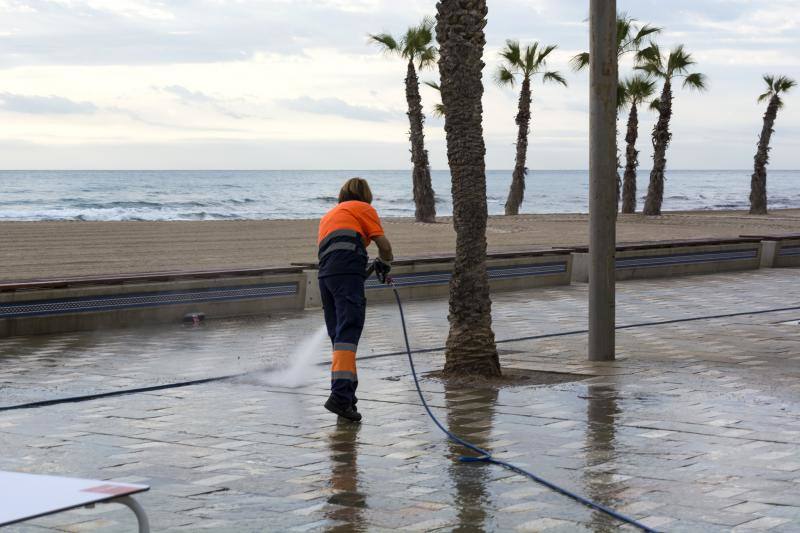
{"x":382,"y":269}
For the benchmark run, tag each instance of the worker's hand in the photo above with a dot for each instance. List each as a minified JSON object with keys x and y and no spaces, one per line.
{"x":382,"y":269}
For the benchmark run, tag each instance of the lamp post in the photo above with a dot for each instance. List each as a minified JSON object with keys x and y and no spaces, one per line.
{"x":602,"y":177}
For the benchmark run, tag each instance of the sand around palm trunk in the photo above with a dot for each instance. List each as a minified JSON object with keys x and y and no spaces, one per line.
{"x":44,"y":250}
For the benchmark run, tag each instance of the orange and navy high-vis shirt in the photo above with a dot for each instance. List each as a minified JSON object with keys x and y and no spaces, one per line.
{"x":344,"y":234}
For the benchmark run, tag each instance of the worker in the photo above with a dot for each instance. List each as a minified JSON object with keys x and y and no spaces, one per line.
{"x":345,"y":232}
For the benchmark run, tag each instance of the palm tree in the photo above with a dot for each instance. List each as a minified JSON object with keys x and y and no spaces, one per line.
{"x":526,"y":64}
{"x":459,"y":31}
{"x":758,"y":181}
{"x":415,"y":46}
{"x":635,"y":90}
{"x":675,"y":65}
{"x":630,"y":37}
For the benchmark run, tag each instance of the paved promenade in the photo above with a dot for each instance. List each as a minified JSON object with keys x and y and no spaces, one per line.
{"x":696,"y":426}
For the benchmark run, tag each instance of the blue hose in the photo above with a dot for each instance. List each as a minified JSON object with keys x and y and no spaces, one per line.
{"x":486,"y":457}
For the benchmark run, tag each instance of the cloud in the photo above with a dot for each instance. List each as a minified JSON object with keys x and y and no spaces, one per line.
{"x":759,"y":22}
{"x":737,"y":57}
{"x":44,"y":105}
{"x":337,"y":107}
{"x":176,"y":126}
{"x":130,"y":8}
{"x":135,"y":32}
{"x":188,"y":96}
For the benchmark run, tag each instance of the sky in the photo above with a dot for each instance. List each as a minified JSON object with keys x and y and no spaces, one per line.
{"x":294,"y":84}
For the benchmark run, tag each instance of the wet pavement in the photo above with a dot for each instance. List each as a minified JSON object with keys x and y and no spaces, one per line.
{"x":696,"y":426}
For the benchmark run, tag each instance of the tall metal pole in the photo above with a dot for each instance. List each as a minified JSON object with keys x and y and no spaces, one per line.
{"x":602,"y":177}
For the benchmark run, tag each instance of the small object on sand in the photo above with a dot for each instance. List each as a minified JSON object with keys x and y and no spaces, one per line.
{"x":194,"y":318}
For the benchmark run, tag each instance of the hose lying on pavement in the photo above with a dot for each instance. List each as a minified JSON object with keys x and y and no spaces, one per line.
{"x":485,"y":456}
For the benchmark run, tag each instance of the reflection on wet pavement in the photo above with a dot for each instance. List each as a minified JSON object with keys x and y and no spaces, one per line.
{"x":695,"y":428}
{"x":346,"y":503}
{"x":470,"y":413}
{"x":601,"y":485}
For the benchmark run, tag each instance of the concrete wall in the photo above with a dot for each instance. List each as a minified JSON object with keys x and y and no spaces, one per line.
{"x":430,"y":278}
{"x":651,"y":260}
{"x":787,"y":253}
{"x":108,"y":304}
{"x":81,"y":304}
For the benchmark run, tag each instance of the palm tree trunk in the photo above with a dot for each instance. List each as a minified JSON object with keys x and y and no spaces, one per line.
{"x":758,"y":181}
{"x":459,"y":30}
{"x":631,"y":162}
{"x":517,"y":191}
{"x":424,"y":200}
{"x":661,"y":138}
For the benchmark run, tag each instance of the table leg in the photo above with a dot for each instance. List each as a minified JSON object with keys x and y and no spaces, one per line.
{"x":138,"y":510}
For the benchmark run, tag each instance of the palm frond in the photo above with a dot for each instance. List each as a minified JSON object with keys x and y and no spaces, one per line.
{"x":579,"y":61}
{"x":417,"y":39}
{"x":427,"y":58}
{"x":765,"y":96}
{"x":532,"y":58}
{"x":650,"y":55}
{"x":646,"y":31}
{"x":529,"y":59}
{"x":512,"y":54}
{"x":679,"y":60}
{"x":622,"y":96}
{"x":408,"y":43}
{"x":696,"y":81}
{"x":387,"y":43}
{"x":433,"y":85}
{"x":655,"y":105}
{"x":504,"y":76}
{"x":555,"y":77}
{"x":769,"y":79}
{"x":438,"y":110}
{"x":624,"y":25}
{"x":425,"y":31}
{"x":546,"y":52}
{"x":639,"y":88}
{"x":651,"y":69}
{"x":784,"y":83}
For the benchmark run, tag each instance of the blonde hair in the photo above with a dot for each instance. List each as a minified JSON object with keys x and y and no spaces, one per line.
{"x":355,"y":189}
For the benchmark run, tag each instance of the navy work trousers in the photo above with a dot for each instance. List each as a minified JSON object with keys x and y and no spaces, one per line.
{"x":345,"y":305}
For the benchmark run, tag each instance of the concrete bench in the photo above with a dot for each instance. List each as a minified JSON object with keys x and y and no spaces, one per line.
{"x":74,"y":304}
{"x":429,"y":277}
{"x":779,"y":250}
{"x":28,"y":496}
{"x":676,"y":258}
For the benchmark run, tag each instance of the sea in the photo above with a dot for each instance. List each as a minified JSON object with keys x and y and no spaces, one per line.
{"x":290,"y":194}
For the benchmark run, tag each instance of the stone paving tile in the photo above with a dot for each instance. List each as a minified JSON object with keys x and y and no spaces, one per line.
{"x":696,"y":426}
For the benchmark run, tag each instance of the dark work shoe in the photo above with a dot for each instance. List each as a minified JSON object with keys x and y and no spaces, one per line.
{"x":347,"y":412}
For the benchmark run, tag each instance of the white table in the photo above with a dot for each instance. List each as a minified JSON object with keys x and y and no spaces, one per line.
{"x":27,"y":496}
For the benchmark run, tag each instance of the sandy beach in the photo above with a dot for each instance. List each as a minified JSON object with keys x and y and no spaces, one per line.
{"x":45,"y":250}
